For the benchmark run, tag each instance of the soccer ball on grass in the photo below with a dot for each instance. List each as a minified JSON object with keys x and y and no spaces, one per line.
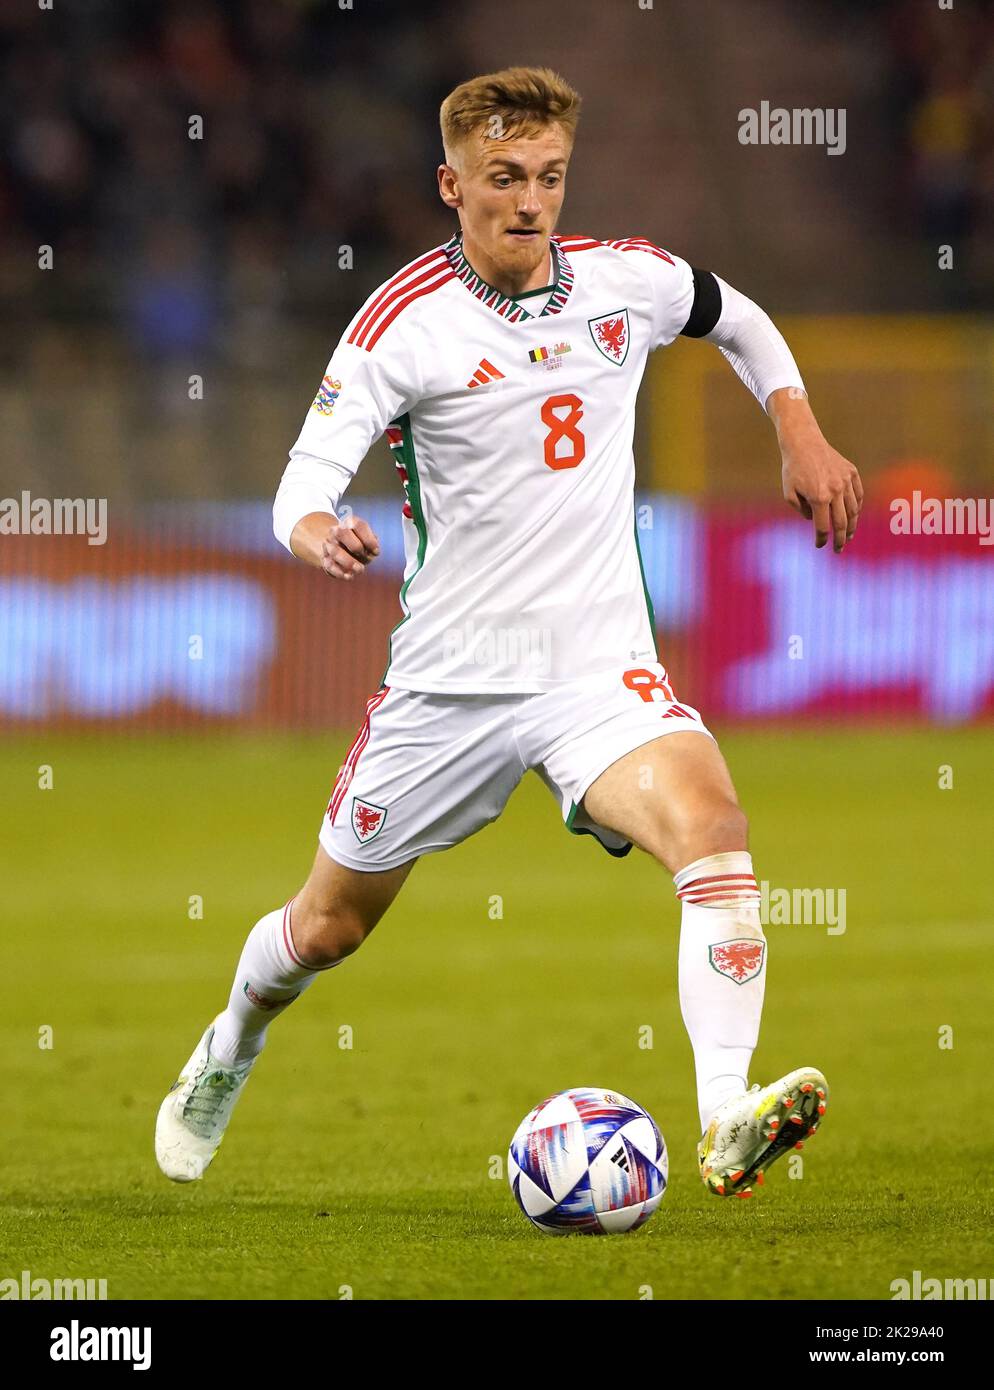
{"x":587,"y":1160}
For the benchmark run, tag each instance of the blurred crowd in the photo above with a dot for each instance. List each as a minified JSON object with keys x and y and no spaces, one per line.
{"x":942,"y":104}
{"x":316,"y":128}
{"x":318,"y":125}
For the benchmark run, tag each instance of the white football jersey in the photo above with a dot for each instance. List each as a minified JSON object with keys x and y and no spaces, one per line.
{"x":512,"y":431}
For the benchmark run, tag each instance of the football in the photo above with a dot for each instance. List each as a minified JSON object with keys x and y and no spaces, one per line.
{"x":587,"y":1160}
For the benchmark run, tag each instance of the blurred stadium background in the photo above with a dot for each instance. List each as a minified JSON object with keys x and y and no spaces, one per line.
{"x":218,"y":259}
{"x":193,"y":773}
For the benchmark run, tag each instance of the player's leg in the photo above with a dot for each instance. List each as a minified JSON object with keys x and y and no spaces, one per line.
{"x":674,"y":798}
{"x":423,"y":773}
{"x":642,"y":767}
{"x":287,"y":949}
{"x":284,"y":953}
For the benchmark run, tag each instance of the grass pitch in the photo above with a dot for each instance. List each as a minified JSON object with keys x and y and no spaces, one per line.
{"x":378,"y":1169}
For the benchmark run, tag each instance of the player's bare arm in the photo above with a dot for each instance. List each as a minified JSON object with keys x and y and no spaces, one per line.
{"x":817,"y":481}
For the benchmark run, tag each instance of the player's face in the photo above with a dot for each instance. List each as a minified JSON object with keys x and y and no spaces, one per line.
{"x":509,"y":194}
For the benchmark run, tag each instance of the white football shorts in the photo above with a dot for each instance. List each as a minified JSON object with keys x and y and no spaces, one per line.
{"x":426,"y":771}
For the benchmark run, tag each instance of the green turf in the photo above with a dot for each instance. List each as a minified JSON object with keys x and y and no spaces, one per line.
{"x":370,"y":1168}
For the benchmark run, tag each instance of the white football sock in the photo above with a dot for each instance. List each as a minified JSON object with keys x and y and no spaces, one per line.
{"x":270,"y":976}
{"x":722,"y":973}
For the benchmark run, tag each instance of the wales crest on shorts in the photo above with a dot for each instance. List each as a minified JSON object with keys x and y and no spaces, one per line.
{"x":367,"y":820}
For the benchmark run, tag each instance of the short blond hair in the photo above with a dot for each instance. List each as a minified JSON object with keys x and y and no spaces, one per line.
{"x":523,"y":101}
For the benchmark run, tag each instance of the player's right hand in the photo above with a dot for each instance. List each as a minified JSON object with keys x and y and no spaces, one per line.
{"x":348,"y":548}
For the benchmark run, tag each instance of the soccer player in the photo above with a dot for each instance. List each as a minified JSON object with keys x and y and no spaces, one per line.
{"x":503,"y":367}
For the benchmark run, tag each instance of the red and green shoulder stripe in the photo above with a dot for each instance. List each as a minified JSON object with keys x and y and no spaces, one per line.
{"x":384,"y":306}
{"x":629,"y":243}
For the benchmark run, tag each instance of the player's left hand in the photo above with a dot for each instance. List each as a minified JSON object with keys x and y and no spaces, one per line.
{"x":824,"y":487}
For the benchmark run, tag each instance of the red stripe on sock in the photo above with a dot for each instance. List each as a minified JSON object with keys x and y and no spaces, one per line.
{"x":291,"y":949}
{"x":288,"y":939}
{"x":727,"y":889}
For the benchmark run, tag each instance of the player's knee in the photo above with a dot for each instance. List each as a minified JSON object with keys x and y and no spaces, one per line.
{"x":324,"y":935}
{"x":709,"y":826}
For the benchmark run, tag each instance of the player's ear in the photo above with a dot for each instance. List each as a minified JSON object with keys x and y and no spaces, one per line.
{"x":448,"y":186}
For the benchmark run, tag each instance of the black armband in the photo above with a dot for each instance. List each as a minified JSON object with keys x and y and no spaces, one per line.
{"x":706,"y":310}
